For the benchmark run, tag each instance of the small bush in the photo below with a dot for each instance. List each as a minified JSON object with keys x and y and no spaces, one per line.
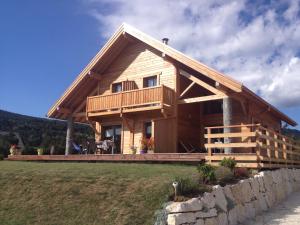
{"x":228,"y":162}
{"x":207,"y":173}
{"x":187,"y":186}
{"x":241,"y":172}
{"x":1,"y":157}
{"x":224,"y":175}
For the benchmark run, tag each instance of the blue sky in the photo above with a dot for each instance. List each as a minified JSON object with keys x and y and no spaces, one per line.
{"x":45,"y":44}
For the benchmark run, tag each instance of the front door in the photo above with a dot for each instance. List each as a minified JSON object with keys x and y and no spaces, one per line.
{"x":113,"y":133}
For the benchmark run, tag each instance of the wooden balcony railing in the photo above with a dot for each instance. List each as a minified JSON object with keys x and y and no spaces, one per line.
{"x":252,"y":146}
{"x":129,"y":101}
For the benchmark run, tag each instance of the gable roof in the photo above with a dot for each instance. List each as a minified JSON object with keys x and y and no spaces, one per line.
{"x":121,"y":38}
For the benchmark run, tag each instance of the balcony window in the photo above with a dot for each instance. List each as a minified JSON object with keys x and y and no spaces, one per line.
{"x":116,"y":87}
{"x":150,"y":81}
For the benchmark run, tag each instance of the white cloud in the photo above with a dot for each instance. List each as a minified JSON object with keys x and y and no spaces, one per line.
{"x":253,"y":42}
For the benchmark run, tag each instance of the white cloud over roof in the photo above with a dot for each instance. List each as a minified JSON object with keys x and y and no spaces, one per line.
{"x":257,"y":44}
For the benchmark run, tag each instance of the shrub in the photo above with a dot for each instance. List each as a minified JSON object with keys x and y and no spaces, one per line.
{"x":187,"y":186}
{"x":228,"y":162}
{"x":207,"y":173}
{"x":223,"y":175}
{"x":241,"y":172}
{"x":1,"y":157}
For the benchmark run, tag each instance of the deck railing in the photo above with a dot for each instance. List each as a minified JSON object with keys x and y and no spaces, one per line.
{"x":155,"y":97}
{"x":253,"y":146}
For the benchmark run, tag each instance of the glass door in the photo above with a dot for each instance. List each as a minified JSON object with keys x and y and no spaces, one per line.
{"x":113,"y":133}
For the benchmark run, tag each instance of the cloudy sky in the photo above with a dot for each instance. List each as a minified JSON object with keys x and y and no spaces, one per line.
{"x":45,"y":44}
{"x":257,"y":43}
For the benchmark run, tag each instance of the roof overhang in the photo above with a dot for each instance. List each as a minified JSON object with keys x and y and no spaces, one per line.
{"x":121,"y":38}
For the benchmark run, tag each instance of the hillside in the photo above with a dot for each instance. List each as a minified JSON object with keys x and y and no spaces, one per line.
{"x":37,"y":132}
{"x":85,"y":193}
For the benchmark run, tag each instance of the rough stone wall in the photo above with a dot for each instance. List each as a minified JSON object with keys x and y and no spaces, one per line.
{"x":235,"y":204}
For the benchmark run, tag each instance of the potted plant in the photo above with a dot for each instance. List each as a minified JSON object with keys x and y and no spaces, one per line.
{"x":13,"y":149}
{"x":144,"y":145}
{"x":40,"y":151}
{"x":133,"y":149}
{"x":151,"y":145}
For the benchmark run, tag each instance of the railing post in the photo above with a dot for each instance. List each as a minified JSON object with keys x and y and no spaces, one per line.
{"x":268,"y":143}
{"x":121,"y":104}
{"x":162,"y":95}
{"x":284,"y":150}
{"x":276,"y":146}
{"x":209,"y":153}
{"x":258,"y":144}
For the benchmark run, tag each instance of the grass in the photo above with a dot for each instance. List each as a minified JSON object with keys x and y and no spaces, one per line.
{"x":84,"y":193}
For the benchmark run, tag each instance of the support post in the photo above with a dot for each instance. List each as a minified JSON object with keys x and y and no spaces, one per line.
{"x":98,"y":132}
{"x":69,"y":136}
{"x":227,"y":121}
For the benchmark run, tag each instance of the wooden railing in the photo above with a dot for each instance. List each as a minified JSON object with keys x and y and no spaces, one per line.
{"x":155,"y":97}
{"x":253,"y":145}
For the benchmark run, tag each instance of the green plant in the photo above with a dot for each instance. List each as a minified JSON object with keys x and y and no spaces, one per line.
{"x":40,"y":151}
{"x":13,"y":149}
{"x":187,"y":186}
{"x":1,"y":157}
{"x":207,"y":173}
{"x":133,"y":149}
{"x":228,"y":162}
{"x":223,"y":175}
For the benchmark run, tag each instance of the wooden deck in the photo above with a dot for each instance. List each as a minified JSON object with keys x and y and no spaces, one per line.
{"x":156,"y":157}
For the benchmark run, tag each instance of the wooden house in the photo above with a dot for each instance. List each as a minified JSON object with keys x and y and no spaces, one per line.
{"x":137,"y":87}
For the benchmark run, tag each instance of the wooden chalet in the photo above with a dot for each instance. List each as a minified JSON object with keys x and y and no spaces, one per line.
{"x":138,"y":87}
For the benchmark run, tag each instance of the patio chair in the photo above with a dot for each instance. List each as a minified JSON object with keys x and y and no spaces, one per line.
{"x":77,"y":148}
{"x":188,"y":150}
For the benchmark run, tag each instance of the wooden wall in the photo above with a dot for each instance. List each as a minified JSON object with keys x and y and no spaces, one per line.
{"x":135,"y":62}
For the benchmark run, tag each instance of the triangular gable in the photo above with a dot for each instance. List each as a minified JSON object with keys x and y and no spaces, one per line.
{"x":120,"y":35}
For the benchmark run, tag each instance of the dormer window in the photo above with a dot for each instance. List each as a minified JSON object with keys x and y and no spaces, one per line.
{"x":116,"y":87}
{"x":150,"y":81}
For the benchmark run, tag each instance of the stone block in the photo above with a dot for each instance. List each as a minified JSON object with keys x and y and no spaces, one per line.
{"x":206,"y":214}
{"x":211,"y":221}
{"x":193,"y":204}
{"x":180,"y":218}
{"x":220,"y":199}
{"x":208,"y":200}
{"x":232,"y":216}
{"x":222,"y":219}
{"x":199,"y":222}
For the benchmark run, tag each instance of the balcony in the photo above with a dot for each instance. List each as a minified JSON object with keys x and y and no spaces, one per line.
{"x":154,"y":98}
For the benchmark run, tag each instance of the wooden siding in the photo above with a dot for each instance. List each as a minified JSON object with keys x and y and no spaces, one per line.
{"x":134,"y":63}
{"x":155,"y":97}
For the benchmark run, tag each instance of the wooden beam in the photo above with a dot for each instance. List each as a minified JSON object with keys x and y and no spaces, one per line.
{"x":201,"y":99}
{"x":63,"y":110}
{"x":201,"y":83}
{"x":187,"y":89}
{"x":94,"y":75}
{"x":79,"y":114}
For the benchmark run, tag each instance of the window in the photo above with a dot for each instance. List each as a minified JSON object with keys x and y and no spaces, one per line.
{"x":116,"y":87}
{"x":150,"y":81}
{"x":148,"y":130}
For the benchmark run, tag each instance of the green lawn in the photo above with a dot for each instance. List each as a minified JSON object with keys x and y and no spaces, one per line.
{"x":84,"y":193}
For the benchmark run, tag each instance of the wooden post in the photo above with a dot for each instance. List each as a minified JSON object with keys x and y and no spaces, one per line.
{"x":276,"y":146}
{"x":209,"y":142}
{"x":268,"y":146}
{"x":284,"y":150}
{"x":98,"y":132}
{"x":258,"y":145}
{"x":227,"y":121}
{"x":69,"y":136}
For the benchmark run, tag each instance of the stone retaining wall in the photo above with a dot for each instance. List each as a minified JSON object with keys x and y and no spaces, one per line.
{"x":234,"y":204}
